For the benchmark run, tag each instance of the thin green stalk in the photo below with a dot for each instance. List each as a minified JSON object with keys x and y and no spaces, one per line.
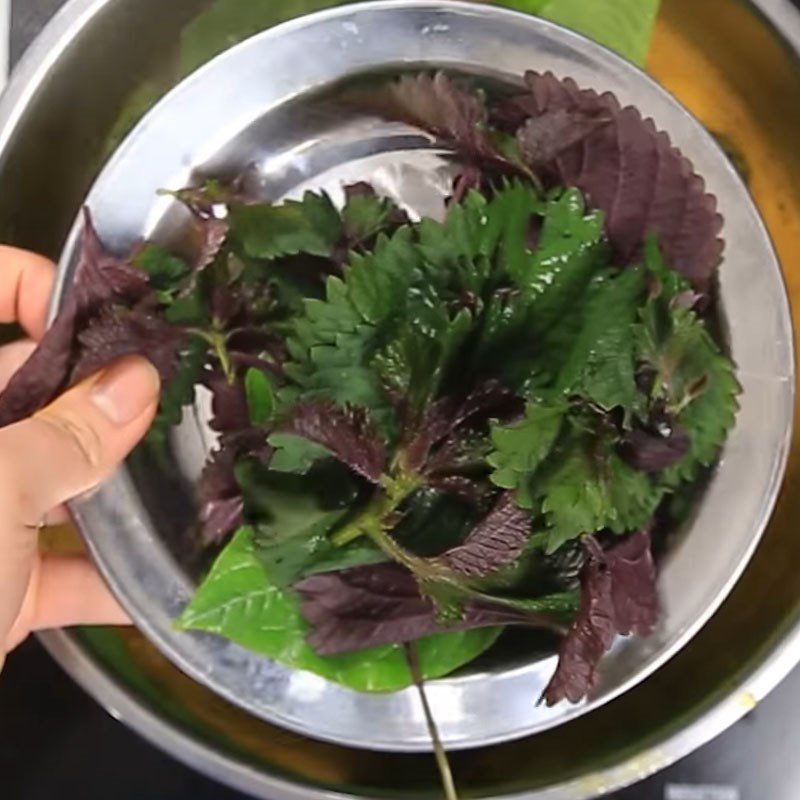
{"x":442,"y":762}
{"x":378,"y":516}
{"x":218,"y":341}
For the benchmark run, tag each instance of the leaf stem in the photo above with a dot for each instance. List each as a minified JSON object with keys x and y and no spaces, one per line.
{"x":442,"y":762}
{"x":218,"y":341}
{"x":379,"y":513}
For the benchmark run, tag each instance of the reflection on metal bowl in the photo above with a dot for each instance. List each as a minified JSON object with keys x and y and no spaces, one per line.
{"x":730,"y":68}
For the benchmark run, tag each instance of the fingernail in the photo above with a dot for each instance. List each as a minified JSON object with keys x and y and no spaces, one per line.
{"x":126,"y":390}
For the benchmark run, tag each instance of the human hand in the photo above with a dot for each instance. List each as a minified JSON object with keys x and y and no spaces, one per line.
{"x":58,"y":454}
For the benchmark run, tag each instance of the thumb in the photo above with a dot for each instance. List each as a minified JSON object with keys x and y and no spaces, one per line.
{"x":72,"y":445}
{"x":60,"y":453}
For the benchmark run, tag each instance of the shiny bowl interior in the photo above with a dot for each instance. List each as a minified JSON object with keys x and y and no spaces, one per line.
{"x":730,"y":66}
{"x":280,"y":116}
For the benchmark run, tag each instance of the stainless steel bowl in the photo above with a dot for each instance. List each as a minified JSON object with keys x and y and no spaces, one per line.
{"x":729,"y":65}
{"x":268,"y":103}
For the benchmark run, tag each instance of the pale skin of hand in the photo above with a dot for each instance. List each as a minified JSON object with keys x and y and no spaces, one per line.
{"x":59,"y":454}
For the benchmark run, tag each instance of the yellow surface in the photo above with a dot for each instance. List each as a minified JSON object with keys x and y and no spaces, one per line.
{"x":730,"y":74}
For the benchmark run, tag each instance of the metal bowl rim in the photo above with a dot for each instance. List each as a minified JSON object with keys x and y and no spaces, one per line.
{"x":55,"y":39}
{"x":165,"y":643}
